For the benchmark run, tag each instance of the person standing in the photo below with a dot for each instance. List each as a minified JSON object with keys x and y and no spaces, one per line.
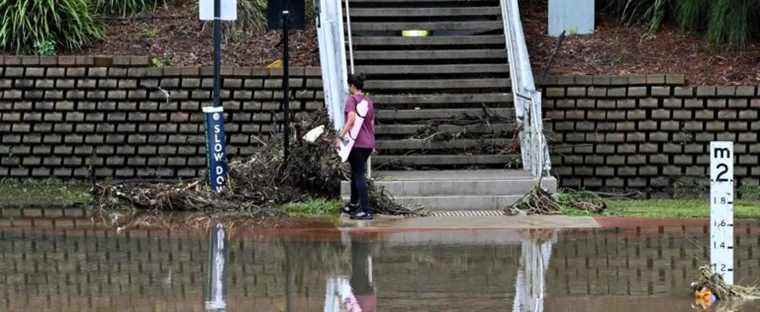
{"x":364,"y":144}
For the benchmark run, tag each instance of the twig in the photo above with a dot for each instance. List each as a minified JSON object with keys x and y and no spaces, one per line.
{"x":548,"y":65}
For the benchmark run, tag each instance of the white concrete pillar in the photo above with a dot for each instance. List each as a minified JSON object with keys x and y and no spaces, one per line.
{"x":575,"y":17}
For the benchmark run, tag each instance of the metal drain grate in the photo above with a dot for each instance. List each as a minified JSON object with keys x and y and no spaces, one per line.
{"x":468,"y":213}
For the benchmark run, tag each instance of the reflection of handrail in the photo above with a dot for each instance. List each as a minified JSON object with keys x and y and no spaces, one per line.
{"x":527,"y":100}
{"x":350,"y":38}
{"x":217,"y":259}
{"x":530,"y":284}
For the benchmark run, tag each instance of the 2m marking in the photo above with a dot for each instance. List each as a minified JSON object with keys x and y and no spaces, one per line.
{"x":722,"y":209}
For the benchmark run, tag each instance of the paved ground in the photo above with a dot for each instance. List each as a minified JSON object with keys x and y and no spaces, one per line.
{"x":469,"y":222}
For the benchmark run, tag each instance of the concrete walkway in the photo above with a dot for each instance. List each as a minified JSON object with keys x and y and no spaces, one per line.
{"x":468,"y":223}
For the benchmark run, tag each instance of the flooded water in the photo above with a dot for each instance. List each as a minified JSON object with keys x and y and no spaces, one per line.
{"x":73,"y":266}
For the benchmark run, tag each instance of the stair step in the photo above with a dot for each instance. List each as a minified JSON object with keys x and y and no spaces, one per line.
{"x":427,"y":55}
{"x":432,"y":26}
{"x":460,"y":202}
{"x":446,"y":175}
{"x":429,"y":41}
{"x":423,"y":1}
{"x":451,"y":129}
{"x":446,"y":84}
{"x":424,"y":12}
{"x":443,"y":160}
{"x":442,"y":113}
{"x":462,"y":98}
{"x":484,"y":187}
{"x":419,"y":144}
{"x":434,"y":69}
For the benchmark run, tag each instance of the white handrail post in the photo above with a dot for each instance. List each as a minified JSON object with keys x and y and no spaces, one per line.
{"x":527,"y":100}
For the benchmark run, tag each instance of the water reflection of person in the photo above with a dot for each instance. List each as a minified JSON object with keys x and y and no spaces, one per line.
{"x":361,"y":275}
{"x":357,"y":293}
{"x":536,"y":250}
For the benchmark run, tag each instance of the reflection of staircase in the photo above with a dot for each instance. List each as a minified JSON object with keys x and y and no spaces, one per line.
{"x":443,"y":102}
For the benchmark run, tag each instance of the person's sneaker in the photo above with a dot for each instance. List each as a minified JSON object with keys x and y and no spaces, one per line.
{"x":361,"y":215}
{"x":349,"y":208}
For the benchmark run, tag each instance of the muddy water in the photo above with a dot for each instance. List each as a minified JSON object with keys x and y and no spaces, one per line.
{"x":47,"y":266}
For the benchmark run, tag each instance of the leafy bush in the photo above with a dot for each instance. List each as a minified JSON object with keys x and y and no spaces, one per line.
{"x":68,"y":23}
{"x":45,"y":48}
{"x":731,"y":22}
{"x":252,"y":14}
{"x":123,"y":7}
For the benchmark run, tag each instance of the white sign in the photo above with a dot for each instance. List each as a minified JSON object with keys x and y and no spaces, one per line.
{"x":229,"y":10}
{"x":722,"y":209}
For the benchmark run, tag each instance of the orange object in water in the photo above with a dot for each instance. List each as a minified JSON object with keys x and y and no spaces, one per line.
{"x":704,"y":297}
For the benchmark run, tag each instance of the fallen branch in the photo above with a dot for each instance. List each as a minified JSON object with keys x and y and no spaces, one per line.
{"x":536,"y":202}
{"x":257,"y":186}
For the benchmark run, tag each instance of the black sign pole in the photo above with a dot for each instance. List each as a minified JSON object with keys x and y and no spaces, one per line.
{"x":217,"y":52}
{"x":285,"y":85}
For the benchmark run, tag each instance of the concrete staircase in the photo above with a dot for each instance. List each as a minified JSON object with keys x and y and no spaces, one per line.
{"x":444,"y":103}
{"x":457,"y":190}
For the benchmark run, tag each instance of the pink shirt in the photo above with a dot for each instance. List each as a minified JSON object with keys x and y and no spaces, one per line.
{"x":366,"y":136}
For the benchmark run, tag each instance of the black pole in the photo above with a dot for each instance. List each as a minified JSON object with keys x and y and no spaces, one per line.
{"x":217,"y":52}
{"x":285,"y":85}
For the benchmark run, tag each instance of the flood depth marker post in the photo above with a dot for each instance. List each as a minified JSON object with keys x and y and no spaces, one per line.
{"x":216,"y":11}
{"x":722,"y":209}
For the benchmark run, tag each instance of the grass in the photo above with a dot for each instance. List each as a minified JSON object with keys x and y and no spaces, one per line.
{"x":313,"y":208}
{"x":43,"y":193}
{"x":668,"y":208}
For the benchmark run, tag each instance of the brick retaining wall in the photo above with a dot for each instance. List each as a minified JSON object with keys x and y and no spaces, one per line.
{"x":646,"y":133}
{"x":59,"y":115}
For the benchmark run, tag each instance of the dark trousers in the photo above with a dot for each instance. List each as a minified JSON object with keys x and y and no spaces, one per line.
{"x":358,"y":160}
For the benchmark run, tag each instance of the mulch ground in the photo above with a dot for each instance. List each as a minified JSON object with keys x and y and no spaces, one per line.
{"x":614,"y":49}
{"x":177,"y":35}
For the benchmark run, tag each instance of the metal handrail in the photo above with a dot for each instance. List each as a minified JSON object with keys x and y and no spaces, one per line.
{"x":332,"y":56}
{"x":527,"y":100}
{"x":350,"y":38}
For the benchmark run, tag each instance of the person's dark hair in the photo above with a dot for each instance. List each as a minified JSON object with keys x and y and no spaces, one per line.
{"x":357,"y":80}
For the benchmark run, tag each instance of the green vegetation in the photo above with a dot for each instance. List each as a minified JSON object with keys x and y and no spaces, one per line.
{"x":252,"y":15}
{"x":67,"y":23}
{"x":43,"y":193}
{"x":45,"y":48}
{"x":724,"y":22}
{"x":123,"y":8}
{"x":313,"y":208}
{"x":657,"y":208}
{"x":678,"y":208}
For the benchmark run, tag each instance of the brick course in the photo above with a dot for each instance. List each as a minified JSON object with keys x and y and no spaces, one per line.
{"x":672,"y":130}
{"x":115,"y":118}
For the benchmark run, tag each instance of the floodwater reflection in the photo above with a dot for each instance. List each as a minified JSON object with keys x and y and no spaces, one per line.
{"x":86,"y":268}
{"x":357,"y":292}
{"x":216,"y":277}
{"x":535,"y":252}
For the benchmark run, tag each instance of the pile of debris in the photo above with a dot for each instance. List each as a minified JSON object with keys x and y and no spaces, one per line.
{"x":540,"y":202}
{"x":257,"y":186}
{"x":710,"y":288}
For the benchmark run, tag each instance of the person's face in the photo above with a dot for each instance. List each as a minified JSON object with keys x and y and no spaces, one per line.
{"x":352,"y":89}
